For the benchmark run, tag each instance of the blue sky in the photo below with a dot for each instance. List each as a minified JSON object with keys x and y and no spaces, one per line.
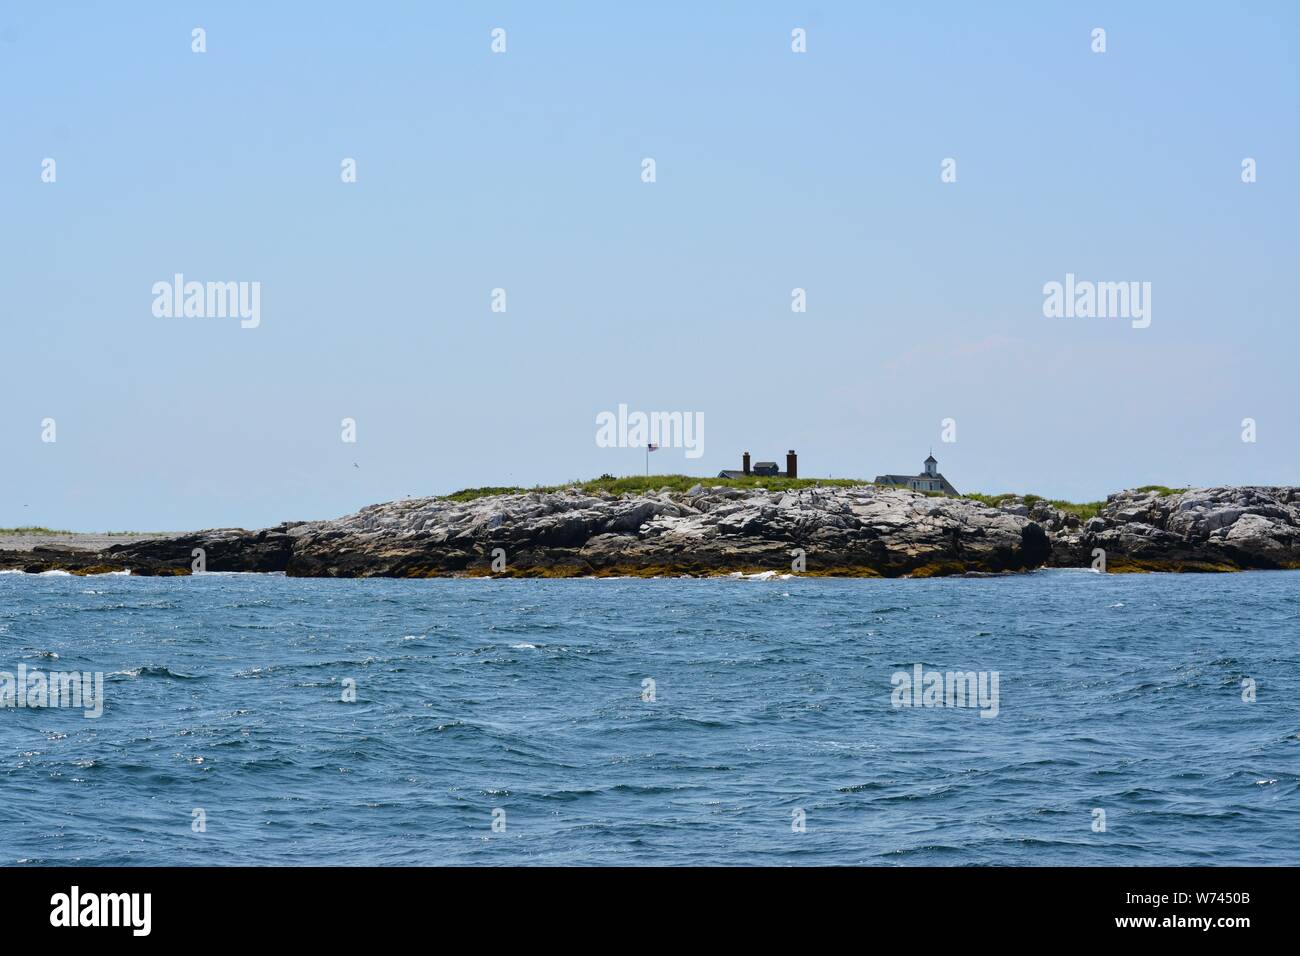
{"x":521,"y":170}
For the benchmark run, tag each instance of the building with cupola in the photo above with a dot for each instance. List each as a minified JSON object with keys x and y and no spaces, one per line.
{"x":930,"y":479}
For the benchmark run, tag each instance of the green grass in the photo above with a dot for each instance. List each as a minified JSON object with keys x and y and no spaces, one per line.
{"x":637,"y":484}
{"x":469,"y":494}
{"x":1084,"y":510}
{"x":1164,"y":492}
{"x":992,"y":501}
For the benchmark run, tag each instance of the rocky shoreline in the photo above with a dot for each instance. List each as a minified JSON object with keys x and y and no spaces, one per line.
{"x":861,"y":531}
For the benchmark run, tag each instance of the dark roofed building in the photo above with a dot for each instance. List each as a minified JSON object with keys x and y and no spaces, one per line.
{"x":764,"y":469}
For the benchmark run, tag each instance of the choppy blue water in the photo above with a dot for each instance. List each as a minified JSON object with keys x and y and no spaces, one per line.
{"x":223,"y":693}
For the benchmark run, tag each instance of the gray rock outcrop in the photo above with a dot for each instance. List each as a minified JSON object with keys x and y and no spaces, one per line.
{"x":1200,"y":529}
{"x":855,"y":531}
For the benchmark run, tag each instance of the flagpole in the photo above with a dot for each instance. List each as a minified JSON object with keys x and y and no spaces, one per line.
{"x":647,"y":461}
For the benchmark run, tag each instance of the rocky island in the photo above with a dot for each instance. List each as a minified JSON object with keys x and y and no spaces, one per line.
{"x":851,"y":529}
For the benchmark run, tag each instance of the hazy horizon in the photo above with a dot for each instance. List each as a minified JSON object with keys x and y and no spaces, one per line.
{"x":522,"y":171}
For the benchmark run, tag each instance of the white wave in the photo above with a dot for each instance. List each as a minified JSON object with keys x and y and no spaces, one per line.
{"x":238,"y":574}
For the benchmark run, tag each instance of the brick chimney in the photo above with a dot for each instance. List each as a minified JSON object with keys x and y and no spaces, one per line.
{"x":791,"y":464}
{"x":744,"y":462}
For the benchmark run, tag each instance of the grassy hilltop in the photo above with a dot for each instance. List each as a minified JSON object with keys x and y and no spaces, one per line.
{"x":638,"y":484}
{"x":641,"y":484}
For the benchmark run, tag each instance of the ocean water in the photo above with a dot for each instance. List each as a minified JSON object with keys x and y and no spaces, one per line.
{"x":524,"y":702}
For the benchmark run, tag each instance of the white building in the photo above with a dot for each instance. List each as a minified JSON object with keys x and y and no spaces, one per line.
{"x":928,"y":480}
